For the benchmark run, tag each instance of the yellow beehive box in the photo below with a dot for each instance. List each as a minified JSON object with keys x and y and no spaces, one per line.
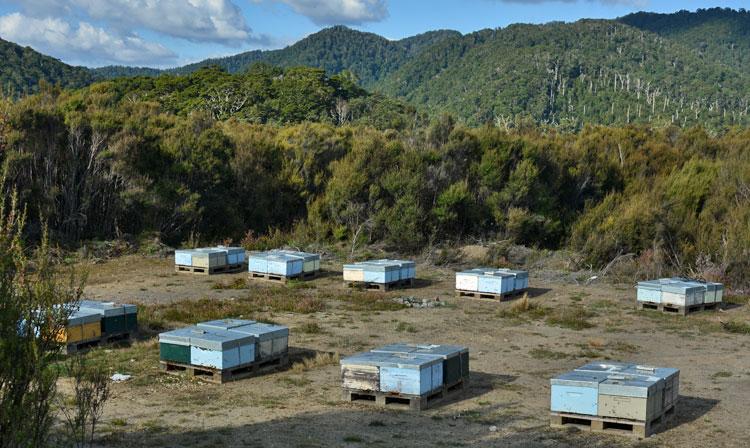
{"x":81,"y":326}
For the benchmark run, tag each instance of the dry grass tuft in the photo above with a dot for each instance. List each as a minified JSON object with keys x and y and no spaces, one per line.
{"x":318,"y":361}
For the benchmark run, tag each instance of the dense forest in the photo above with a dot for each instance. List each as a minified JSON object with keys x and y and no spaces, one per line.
{"x":683,"y":69}
{"x":152,"y":156}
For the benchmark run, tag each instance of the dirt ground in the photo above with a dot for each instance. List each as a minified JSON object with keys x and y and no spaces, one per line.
{"x":512,"y":360}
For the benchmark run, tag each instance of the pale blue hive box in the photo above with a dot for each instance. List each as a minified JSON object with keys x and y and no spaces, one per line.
{"x":671,"y":377}
{"x":520,"y":278}
{"x":455,"y":357}
{"x":576,"y":392}
{"x":272,"y":340}
{"x":651,"y":290}
{"x":310,"y":262}
{"x":204,"y":257}
{"x":496,"y":282}
{"x":221,"y":349}
{"x":411,"y":373}
{"x":235,"y":255}
{"x":682,"y":293}
{"x":225,"y":324}
{"x":275,"y":264}
{"x":714,"y":292}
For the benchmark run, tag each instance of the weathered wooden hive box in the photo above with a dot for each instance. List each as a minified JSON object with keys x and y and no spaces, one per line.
{"x":82,"y":325}
{"x":174,"y":346}
{"x":235,"y":255}
{"x":201,"y":258}
{"x":116,"y":318}
{"x":520,"y":278}
{"x":670,"y":376}
{"x":271,"y":340}
{"x":310,"y":262}
{"x":455,"y":358}
{"x":275,"y":264}
{"x":682,"y":293}
{"x":362,"y":371}
{"x":634,"y":397}
{"x":220,"y":349}
{"x":576,"y":392}
{"x":376,"y":271}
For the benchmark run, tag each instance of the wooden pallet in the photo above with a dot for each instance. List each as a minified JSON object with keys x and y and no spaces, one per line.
{"x":282,"y":278}
{"x":622,"y":426}
{"x":667,"y":308}
{"x":226,"y":269}
{"x":372,"y":286}
{"x":221,"y":376}
{"x":82,"y":346}
{"x":404,"y":401}
{"x":489,"y":295}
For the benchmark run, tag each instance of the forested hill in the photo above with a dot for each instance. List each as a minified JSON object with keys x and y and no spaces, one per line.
{"x":718,"y":34}
{"x":22,"y":68}
{"x":369,"y":56}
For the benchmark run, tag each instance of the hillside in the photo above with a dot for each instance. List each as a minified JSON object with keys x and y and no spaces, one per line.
{"x":22,"y":69}
{"x":369,"y":56}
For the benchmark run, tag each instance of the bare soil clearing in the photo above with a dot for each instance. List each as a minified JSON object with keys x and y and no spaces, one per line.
{"x":513,"y":354}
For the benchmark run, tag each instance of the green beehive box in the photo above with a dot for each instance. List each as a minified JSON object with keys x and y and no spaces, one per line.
{"x":174,"y":346}
{"x":117,"y":318}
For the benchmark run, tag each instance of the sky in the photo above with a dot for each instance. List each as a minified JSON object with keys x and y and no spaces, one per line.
{"x":168,"y":33}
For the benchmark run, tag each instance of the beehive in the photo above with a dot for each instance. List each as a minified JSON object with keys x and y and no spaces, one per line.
{"x":310,"y":262}
{"x":682,"y":293}
{"x":82,"y":325}
{"x":714,"y":292}
{"x":520,"y":278}
{"x":411,"y":373}
{"x":116,"y":318}
{"x":234,"y":255}
{"x":275,"y":264}
{"x":220,"y":349}
{"x":201,"y":258}
{"x":635,"y":397}
{"x":362,"y":371}
{"x":576,"y":392}
{"x":225,"y":324}
{"x":670,"y":376}
{"x":650,"y":290}
{"x":378,"y":271}
{"x":174,"y":346}
{"x":488,"y":280}
{"x":455,"y":358}
{"x":271,"y":340}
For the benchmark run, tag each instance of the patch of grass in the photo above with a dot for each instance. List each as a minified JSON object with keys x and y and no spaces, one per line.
{"x":309,"y":328}
{"x":524,"y":308}
{"x":377,"y":423}
{"x":315,"y":362}
{"x":140,"y":359}
{"x":353,"y":439}
{"x":721,"y":374}
{"x":736,"y":327}
{"x":368,"y":301}
{"x":544,"y":353}
{"x":118,"y":422}
{"x":292,"y":381}
{"x":238,"y":283}
{"x":736,"y":300}
{"x":571,"y":317}
{"x":407,"y":327}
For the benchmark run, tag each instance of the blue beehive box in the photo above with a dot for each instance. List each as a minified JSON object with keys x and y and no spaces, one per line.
{"x":220,"y":349}
{"x":411,"y":373}
{"x":576,"y":392}
{"x":682,"y":293}
{"x":271,"y":340}
{"x":714,"y":292}
{"x":225,"y":324}
{"x":203,"y":258}
{"x":275,"y":264}
{"x":520,"y":278}
{"x":455,"y":358}
{"x":310,"y":262}
{"x":496,"y":282}
{"x":377,"y":271}
{"x":235,"y":255}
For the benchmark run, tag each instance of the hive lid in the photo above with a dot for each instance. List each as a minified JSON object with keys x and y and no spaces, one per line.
{"x":304,"y":255}
{"x":659,"y":372}
{"x":579,"y":379}
{"x":107,"y":309}
{"x":516,"y":272}
{"x":445,"y":351}
{"x":414,"y":360}
{"x":682,"y":288}
{"x":606,"y":367}
{"x":628,"y":385}
{"x":374,"y":359}
{"x":84,"y":316}
{"x":214,"y":339}
{"x":263,"y":331}
{"x":180,"y":336}
{"x":225,"y":324}
{"x":395,"y":348}
{"x":230,"y":250}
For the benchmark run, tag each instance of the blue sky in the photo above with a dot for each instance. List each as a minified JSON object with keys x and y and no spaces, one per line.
{"x":165,"y":33}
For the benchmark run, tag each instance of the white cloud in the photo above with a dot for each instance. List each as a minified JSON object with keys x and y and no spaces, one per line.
{"x":84,"y":43}
{"x":337,"y":12}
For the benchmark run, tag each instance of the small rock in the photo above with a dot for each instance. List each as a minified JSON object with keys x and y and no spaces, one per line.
{"x":493,"y":428}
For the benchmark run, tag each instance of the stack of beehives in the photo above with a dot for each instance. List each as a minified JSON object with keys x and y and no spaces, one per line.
{"x":614,"y":390}
{"x":405,"y":371}
{"x":224,"y":345}
{"x":491,"y":282}
{"x":281,"y":265}
{"x":679,"y":294}
{"x":92,"y":321}
{"x":209,"y":260}
{"x":381,"y":272}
